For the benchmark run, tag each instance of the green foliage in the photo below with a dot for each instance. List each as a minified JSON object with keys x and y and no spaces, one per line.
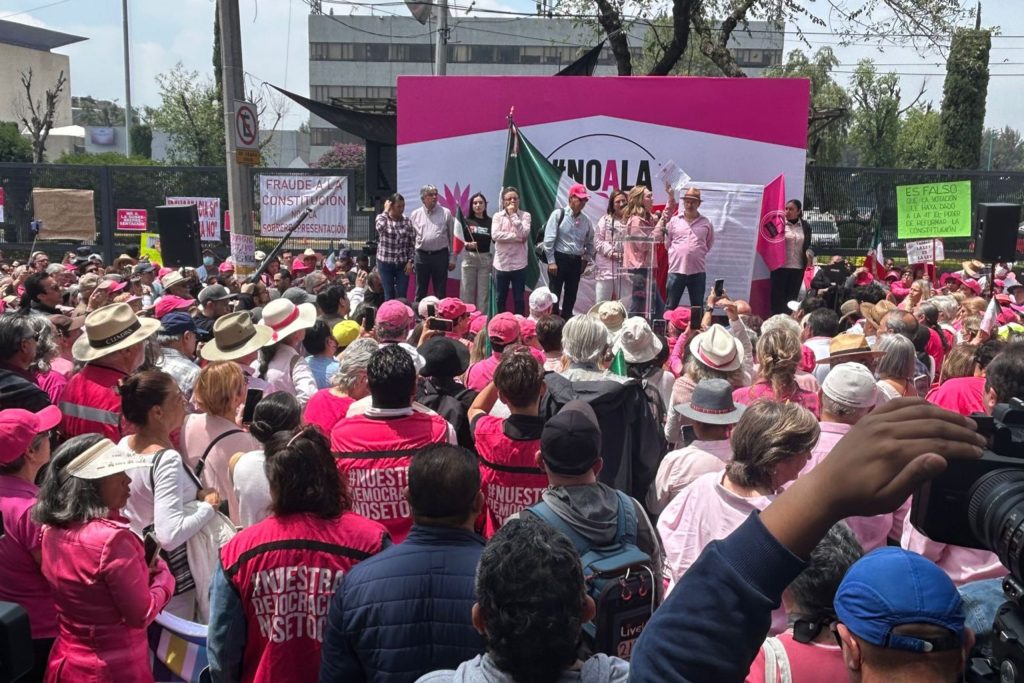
{"x":347,"y":155}
{"x":825,"y":136}
{"x":1004,"y":148}
{"x":963,"y":98}
{"x":105,"y":159}
{"x":14,"y":147}
{"x":142,"y":140}
{"x":876,"y":119}
{"x":190,"y":111}
{"x":919,"y":139}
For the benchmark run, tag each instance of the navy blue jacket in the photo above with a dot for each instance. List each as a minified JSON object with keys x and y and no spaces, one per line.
{"x":713,"y":623}
{"x":406,"y":611}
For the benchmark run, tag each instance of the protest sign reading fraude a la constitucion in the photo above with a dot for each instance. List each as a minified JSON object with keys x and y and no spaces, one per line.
{"x":934,"y":210}
{"x":283,"y":198}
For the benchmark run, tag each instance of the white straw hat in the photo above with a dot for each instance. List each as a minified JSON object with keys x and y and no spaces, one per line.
{"x":717,"y":349}
{"x":637,"y":341}
{"x":283,"y":318}
{"x":101,"y":460}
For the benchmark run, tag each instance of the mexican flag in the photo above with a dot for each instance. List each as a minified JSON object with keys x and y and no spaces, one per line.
{"x":875,"y":261}
{"x":542,"y":189}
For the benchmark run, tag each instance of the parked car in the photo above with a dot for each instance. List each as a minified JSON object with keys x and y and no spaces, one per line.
{"x":824,"y":230}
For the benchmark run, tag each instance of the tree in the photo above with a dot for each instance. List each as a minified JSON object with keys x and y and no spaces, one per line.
{"x":190,"y":112}
{"x":829,"y":116}
{"x":1004,"y":148}
{"x":37,"y":114}
{"x":13,"y":145}
{"x":876,"y":117}
{"x":963,"y":98}
{"x":923,"y":24}
{"x":919,"y":139}
{"x":142,"y":140}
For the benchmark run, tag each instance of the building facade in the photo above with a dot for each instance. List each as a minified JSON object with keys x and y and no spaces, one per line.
{"x":355,"y":60}
{"x":24,"y":48}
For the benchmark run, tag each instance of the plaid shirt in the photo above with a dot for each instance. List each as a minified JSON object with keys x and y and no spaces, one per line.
{"x":395,"y":239}
{"x":184,"y":371}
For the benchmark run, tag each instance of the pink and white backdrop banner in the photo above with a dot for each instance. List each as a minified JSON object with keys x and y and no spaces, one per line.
{"x":733,"y":136}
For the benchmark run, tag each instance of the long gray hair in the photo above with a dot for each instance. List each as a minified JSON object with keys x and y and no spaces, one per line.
{"x":73,"y":500}
{"x":352,"y":363}
{"x":46,"y":348}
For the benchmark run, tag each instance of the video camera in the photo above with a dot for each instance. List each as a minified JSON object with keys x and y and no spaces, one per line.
{"x":980,"y":504}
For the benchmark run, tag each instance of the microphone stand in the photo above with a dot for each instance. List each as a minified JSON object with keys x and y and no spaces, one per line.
{"x":277,"y":249}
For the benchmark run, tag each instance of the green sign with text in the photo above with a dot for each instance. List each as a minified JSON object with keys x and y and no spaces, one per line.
{"x":934,"y":210}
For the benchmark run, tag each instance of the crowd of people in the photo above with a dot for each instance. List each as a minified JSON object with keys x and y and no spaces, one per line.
{"x":343,"y":484}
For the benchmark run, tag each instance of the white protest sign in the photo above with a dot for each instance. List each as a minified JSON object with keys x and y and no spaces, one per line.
{"x":284,"y":197}
{"x":209,"y":215}
{"x":925,"y":251}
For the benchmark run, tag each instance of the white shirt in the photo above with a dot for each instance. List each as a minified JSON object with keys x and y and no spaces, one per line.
{"x":289,"y":372}
{"x":681,"y":467}
{"x":164,"y":507}
{"x":251,"y":488}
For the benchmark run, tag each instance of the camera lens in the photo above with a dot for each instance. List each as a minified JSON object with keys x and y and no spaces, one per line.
{"x":996,"y":515}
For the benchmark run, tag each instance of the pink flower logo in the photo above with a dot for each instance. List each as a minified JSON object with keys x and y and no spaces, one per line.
{"x":455,"y":200}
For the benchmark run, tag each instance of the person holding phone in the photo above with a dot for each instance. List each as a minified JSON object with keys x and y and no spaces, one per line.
{"x":510,"y":229}
{"x":787,"y":278}
{"x":476,"y":257}
{"x":689,"y":237}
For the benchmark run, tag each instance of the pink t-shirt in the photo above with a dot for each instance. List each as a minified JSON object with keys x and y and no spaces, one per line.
{"x":964,"y":395}
{"x":688,"y":244}
{"x":480,"y":374}
{"x":762,"y":389}
{"x":705,"y":511}
{"x":21,"y":579}
{"x":963,"y":565}
{"x":197,"y":434}
{"x":808,"y":662}
{"x":325,"y":409}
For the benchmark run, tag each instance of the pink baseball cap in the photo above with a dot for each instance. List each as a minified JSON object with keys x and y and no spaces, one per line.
{"x":394,"y":313}
{"x":807,"y":359}
{"x":972,"y":284}
{"x":451,"y":308}
{"x":299,"y":266}
{"x":18,"y":427}
{"x":170,"y":302}
{"x":579,"y":191}
{"x":478,"y":323}
{"x":503,"y":327}
{"x":679,"y":317}
{"x":527,"y":328}
{"x":226,"y":267}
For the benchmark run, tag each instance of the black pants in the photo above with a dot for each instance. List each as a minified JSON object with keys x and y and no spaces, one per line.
{"x":570,"y":268}
{"x":40,"y":655}
{"x":785,"y":288}
{"x":516,"y":279}
{"x":432,"y":267}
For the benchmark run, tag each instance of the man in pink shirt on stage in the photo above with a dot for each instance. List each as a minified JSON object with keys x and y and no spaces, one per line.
{"x":689,"y":238}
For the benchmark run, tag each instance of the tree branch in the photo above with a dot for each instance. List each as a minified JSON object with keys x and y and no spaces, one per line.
{"x":715,"y":47}
{"x":681,"y":11}
{"x":611,"y":21}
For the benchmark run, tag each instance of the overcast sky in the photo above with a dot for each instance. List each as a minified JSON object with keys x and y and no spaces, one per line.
{"x":274,"y":34}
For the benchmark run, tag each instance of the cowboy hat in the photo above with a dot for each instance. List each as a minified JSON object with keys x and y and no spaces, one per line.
{"x":973,"y":268}
{"x":717,"y":349}
{"x":846,"y":347}
{"x":875,"y":312}
{"x":712,"y":404}
{"x":235,"y":336}
{"x":283,"y":318}
{"x":109,"y":329}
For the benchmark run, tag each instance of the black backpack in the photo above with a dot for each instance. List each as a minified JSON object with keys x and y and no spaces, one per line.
{"x":619,"y":577}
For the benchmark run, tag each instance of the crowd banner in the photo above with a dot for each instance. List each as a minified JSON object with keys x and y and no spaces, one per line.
{"x":933,"y":210}
{"x":603,"y":140}
{"x":284,"y":197}
{"x":925,"y":251}
{"x":209,"y":215}
{"x":64,"y":214}
{"x":149,"y":246}
{"x":132,"y":219}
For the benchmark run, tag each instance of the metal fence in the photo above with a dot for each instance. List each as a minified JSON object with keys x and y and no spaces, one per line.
{"x":843,"y":205}
{"x":141,"y":187}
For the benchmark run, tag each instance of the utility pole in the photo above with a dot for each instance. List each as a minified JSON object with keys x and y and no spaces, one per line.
{"x":441,"y":49}
{"x":239,"y":180}
{"x":127,"y":83}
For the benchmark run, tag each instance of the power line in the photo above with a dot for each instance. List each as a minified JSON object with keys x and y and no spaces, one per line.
{"x":33,"y":9}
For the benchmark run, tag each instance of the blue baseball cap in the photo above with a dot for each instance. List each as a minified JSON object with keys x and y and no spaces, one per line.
{"x":890,"y":587}
{"x":177,"y":322}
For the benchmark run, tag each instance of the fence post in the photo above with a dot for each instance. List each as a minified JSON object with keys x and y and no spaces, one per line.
{"x":106,"y":214}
